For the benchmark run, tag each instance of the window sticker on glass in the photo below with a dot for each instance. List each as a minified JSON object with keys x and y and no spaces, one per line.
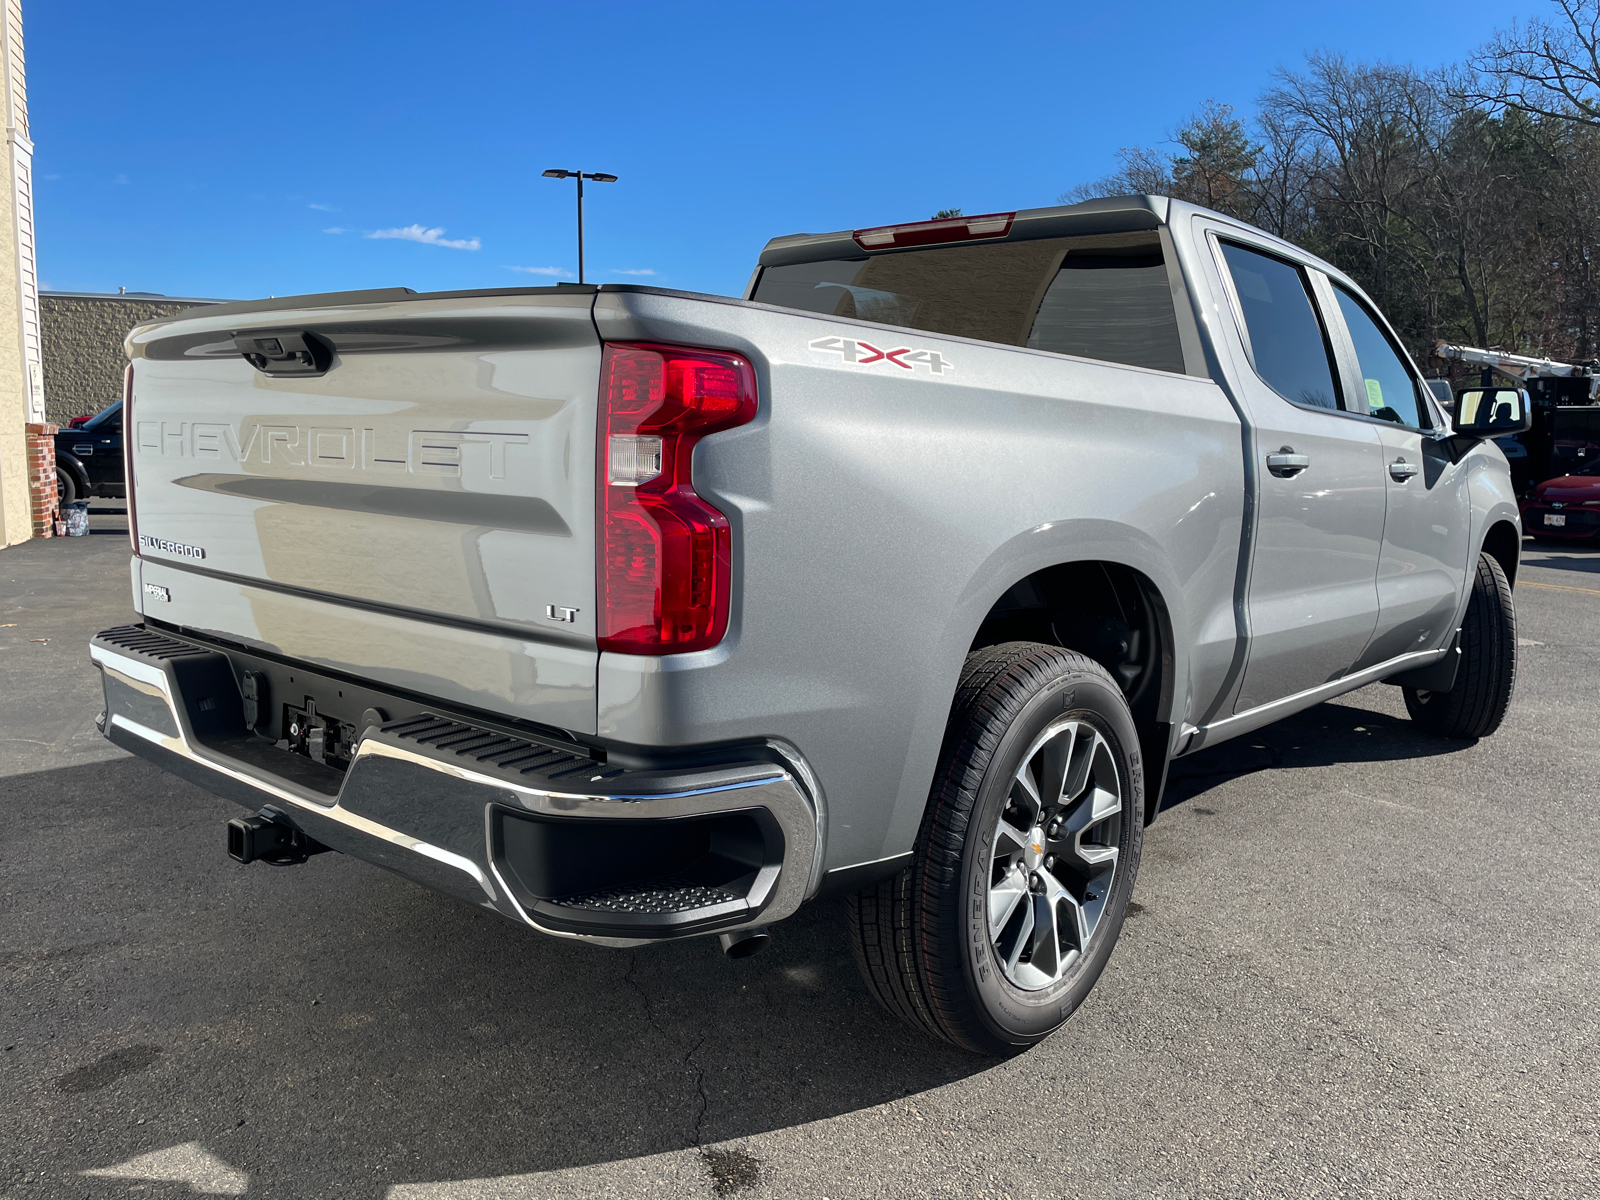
{"x":1393,"y":393}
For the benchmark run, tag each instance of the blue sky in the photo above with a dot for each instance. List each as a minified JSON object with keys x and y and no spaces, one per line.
{"x":209,"y":149}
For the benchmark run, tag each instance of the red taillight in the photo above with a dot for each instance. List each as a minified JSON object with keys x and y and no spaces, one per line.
{"x":128,"y":442}
{"x":664,"y":554}
{"x":931,"y":233}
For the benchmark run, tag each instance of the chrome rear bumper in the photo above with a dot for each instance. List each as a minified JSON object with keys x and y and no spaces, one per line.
{"x":460,"y":808}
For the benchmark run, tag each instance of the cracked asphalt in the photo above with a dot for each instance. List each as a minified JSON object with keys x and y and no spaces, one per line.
{"x":1362,"y":963}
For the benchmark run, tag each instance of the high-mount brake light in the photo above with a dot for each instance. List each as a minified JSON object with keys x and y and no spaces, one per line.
{"x":664,"y":555}
{"x":127,"y":455}
{"x":932,"y":233}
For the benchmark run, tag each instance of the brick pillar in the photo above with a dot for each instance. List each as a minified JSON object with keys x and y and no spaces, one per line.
{"x":42,"y":479}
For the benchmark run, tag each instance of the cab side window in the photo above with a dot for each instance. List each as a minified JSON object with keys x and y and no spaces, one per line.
{"x":1287,"y":342}
{"x":1392,"y":391}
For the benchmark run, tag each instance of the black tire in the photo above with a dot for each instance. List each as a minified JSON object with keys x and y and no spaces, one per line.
{"x":924,"y":940}
{"x":66,"y":489}
{"x":1487,"y":673}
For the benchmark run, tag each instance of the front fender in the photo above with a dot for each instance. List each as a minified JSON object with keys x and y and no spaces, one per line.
{"x":1493,"y":500}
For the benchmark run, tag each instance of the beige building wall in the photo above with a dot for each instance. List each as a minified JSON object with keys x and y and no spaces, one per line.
{"x":21,"y":370}
{"x":82,"y":346}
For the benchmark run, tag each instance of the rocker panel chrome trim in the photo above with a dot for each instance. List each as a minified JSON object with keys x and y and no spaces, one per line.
{"x":1265,"y":714}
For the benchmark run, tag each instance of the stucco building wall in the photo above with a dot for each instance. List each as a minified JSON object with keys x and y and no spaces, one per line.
{"x":83,"y":357}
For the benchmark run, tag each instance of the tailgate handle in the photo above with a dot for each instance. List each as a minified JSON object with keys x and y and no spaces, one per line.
{"x":281,"y":352}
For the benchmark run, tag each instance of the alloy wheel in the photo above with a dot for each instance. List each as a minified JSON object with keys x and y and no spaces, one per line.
{"x":1055,"y":854}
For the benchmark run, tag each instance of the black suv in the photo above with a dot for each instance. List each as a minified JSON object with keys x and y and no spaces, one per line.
{"x":89,"y":457}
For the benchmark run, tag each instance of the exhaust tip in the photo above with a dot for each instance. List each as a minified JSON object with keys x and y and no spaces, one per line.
{"x":746,"y":943}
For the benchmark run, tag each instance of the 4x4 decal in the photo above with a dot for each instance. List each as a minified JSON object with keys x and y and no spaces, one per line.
{"x":861,"y":353}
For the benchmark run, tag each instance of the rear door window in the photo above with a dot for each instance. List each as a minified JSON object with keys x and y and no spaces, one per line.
{"x":1392,"y":390}
{"x":1287,"y":342}
{"x":1103,"y":296}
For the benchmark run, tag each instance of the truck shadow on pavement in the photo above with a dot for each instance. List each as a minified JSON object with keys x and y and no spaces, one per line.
{"x":334,"y":1030}
{"x":1586,"y":564}
{"x":1337,"y":732}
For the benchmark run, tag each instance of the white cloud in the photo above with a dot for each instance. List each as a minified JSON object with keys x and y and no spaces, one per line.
{"x":428,"y":237}
{"x":541,"y":270}
{"x":323,"y":207}
{"x":335,"y":229}
{"x":624,"y":271}
{"x":120,"y":179}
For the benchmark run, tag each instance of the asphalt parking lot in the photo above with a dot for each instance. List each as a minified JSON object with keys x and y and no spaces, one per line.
{"x":1363,"y":963}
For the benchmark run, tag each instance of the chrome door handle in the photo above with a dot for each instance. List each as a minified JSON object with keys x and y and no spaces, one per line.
{"x":1286,"y":462}
{"x":1400,"y":470}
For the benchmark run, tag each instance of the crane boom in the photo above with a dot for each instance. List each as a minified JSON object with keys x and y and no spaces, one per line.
{"x":1522,"y":366}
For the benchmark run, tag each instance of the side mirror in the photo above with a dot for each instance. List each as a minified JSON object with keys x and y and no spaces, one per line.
{"x":1491,"y":412}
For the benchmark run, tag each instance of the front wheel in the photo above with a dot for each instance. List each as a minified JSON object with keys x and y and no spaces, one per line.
{"x":1487,"y":673}
{"x":66,"y":489}
{"x":1025,"y":863}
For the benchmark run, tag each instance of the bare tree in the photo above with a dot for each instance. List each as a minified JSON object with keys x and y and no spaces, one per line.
{"x":1144,"y":172}
{"x":1466,"y":201}
{"x":1365,"y":120}
{"x":1547,"y":68}
{"x":1287,"y":165}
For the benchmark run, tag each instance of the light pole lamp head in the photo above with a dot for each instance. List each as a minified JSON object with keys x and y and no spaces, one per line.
{"x":553,"y":173}
{"x":602,"y":177}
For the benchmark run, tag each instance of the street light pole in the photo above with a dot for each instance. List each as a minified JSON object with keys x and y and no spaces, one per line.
{"x":580,"y":176}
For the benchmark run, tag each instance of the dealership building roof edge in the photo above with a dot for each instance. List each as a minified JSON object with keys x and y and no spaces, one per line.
{"x":158,"y":296}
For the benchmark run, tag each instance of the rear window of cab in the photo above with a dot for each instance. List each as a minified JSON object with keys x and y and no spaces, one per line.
{"x":1101,"y":296}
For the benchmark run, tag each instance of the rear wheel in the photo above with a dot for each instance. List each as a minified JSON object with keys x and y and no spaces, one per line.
{"x":66,"y":489}
{"x":1487,"y":673}
{"x":1025,"y":862}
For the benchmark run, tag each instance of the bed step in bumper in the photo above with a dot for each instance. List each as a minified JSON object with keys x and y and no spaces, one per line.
{"x":547,"y":835}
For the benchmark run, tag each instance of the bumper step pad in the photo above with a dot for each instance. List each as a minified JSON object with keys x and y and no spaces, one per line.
{"x":652,"y":896}
{"x":498,"y":750}
{"x":147,"y":643}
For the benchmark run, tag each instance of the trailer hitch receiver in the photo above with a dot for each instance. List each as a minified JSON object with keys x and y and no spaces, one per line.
{"x":269,"y":837}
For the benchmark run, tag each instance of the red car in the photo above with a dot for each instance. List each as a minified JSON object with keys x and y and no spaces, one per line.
{"x":1565,"y":507}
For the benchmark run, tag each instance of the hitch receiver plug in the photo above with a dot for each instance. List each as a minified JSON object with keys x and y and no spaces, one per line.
{"x":269,"y":836}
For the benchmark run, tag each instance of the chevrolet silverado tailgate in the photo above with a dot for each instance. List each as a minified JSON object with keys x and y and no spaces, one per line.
{"x":399,"y":487}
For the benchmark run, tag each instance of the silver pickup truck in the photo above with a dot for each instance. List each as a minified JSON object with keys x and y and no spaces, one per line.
{"x":632,"y":614}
